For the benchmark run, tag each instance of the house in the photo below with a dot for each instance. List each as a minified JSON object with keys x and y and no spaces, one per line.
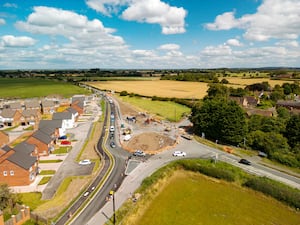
{"x":33,"y":104}
{"x":48,"y":106}
{"x":246,"y":102}
{"x":74,"y":112}
{"x":10,"y":117}
{"x":27,"y":148}
{"x":262,"y":112}
{"x":14,"y":106}
{"x":54,"y":125}
{"x":67,"y":118}
{"x":44,"y":142}
{"x":4,"y":138}
{"x":78,"y":102}
{"x":291,"y":105}
{"x":30,"y":117}
{"x":17,"y":168}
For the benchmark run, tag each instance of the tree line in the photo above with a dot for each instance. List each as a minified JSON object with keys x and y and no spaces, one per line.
{"x":223,"y":120}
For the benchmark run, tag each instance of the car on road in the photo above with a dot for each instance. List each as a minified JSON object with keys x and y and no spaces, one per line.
{"x":112,"y":144}
{"x":245,"y":161}
{"x":112,"y":129}
{"x":86,"y":193}
{"x":139,"y":153}
{"x":85,"y":162}
{"x":179,"y":153}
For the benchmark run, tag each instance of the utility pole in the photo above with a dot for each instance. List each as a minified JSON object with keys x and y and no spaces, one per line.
{"x":112,"y":193}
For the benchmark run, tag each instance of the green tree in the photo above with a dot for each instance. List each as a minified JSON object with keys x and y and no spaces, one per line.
{"x":7,"y":198}
{"x":268,"y":142}
{"x":220,"y":120}
{"x":293,"y":131}
{"x":218,"y":91}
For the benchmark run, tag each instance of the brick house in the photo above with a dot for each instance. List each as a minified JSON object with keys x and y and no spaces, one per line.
{"x":10,"y":117}
{"x":44,"y":142}
{"x":4,"y":138}
{"x":48,"y":106}
{"x":54,"y":125}
{"x":30,"y":117}
{"x":78,"y":106}
{"x":17,"y":168}
{"x":33,"y":104}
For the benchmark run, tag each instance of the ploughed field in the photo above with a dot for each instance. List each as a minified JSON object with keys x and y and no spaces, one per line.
{"x":192,"y":198}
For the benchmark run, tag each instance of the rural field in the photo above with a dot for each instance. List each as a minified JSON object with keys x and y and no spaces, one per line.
{"x":192,"y":198}
{"x":30,"y":87}
{"x":165,"y":109}
{"x":177,"y":89}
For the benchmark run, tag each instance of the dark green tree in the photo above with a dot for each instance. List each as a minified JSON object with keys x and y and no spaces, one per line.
{"x":292,"y":132}
{"x":218,"y":91}
{"x":220,"y":120}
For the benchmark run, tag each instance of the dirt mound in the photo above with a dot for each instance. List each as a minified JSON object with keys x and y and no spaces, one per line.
{"x":149,"y":142}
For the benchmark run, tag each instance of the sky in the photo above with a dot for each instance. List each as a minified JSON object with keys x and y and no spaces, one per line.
{"x":149,"y":34}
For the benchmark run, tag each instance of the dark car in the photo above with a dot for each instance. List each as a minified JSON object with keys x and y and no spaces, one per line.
{"x":112,"y":144}
{"x":245,"y":161}
{"x":139,"y":153}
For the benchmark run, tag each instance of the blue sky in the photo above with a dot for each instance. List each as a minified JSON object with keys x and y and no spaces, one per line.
{"x":149,"y":34}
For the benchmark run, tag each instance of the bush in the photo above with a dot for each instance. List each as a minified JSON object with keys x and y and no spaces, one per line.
{"x":286,"y":159}
{"x":219,"y":170}
{"x":123,"y":93}
{"x":275,"y":189}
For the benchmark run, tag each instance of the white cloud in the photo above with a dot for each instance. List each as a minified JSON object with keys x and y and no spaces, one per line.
{"x":170,"y":18}
{"x":10,"y":5}
{"x":219,"y":50}
{"x":12,"y":41}
{"x":278,"y":19}
{"x":288,"y":43}
{"x":2,"y":21}
{"x":234,"y":42}
{"x":143,"y":53}
{"x":169,"y":47}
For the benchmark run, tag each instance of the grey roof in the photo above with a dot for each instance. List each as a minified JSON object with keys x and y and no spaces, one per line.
{"x":25,"y":148}
{"x":15,"y":105}
{"x":42,"y":137}
{"x":62,"y":116}
{"x":32,"y":104}
{"x":47,"y":130}
{"x":8,"y":113}
{"x":288,"y":103}
{"x":29,"y":112}
{"x":22,"y":159}
{"x":48,"y":103}
{"x":78,"y":98}
{"x":79,"y":104}
{"x":72,"y":110}
{"x":6,"y":148}
{"x":50,"y":123}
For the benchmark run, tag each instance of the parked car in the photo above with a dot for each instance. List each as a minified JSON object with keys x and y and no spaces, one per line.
{"x":112,"y":144}
{"x":63,"y":137}
{"x":85,"y":162}
{"x":245,"y":161}
{"x":139,"y":153}
{"x":179,"y":153}
{"x":262,"y":154}
{"x":65,"y":142}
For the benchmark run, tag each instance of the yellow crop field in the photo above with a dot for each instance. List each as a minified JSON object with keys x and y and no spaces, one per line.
{"x":161,"y":88}
{"x":243,"y":82}
{"x":178,"y":89}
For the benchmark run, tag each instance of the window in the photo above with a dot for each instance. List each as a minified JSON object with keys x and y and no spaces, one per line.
{"x":5,"y":173}
{"x":12,"y":173}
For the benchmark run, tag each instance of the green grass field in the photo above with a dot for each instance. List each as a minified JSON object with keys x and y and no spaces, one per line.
{"x":168,"y":110}
{"x":32,"y":87}
{"x":191,"y":198}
